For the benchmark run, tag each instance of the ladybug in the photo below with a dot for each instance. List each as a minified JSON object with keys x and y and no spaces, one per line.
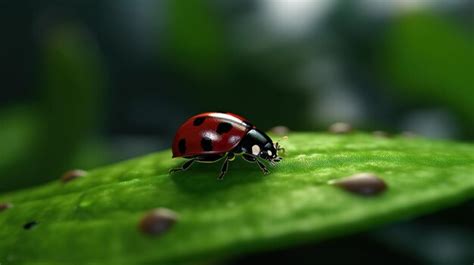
{"x":212,"y":136}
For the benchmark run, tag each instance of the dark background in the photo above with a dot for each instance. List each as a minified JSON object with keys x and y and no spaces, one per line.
{"x":86,"y":83}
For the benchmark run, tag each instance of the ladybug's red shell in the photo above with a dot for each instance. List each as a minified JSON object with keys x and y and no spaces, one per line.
{"x":209,"y":133}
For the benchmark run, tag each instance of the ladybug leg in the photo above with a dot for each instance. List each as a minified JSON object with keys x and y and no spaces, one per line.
{"x":253,"y":159}
{"x":225,"y":166}
{"x":185,"y":166}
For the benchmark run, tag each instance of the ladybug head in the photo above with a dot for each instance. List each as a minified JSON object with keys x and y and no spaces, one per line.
{"x":267,"y":152}
{"x":259,"y":144}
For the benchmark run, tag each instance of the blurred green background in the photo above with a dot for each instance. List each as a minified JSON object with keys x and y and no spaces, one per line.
{"x":86,"y":83}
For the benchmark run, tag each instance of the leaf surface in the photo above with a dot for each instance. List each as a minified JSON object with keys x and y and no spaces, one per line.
{"x":95,"y":218}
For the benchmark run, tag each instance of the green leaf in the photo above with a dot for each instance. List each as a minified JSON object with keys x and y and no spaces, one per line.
{"x":95,"y":218}
{"x":19,"y":127}
{"x":45,"y":138}
{"x":426,"y":55}
{"x":73,"y":79}
{"x":195,"y":40}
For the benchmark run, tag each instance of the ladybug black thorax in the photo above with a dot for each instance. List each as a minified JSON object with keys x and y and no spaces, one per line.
{"x":257,"y":143}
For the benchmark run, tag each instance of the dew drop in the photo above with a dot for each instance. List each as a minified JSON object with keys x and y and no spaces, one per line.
{"x":340,"y":128}
{"x":4,"y":206}
{"x":280,"y":130}
{"x":409,"y":134}
{"x":157,"y":221}
{"x":365,"y":184}
{"x":72,"y":175}
{"x":380,"y":134}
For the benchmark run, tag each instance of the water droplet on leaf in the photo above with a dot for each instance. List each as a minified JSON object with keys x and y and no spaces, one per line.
{"x":380,"y":134}
{"x":5,"y":205}
{"x":158,"y":221}
{"x":72,"y":175}
{"x":365,"y":184}
{"x":409,"y":134}
{"x":340,"y":128}
{"x":280,"y":130}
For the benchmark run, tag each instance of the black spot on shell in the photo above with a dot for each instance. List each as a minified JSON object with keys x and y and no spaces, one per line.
{"x":198,"y":121}
{"x":182,"y":146}
{"x":30,"y":225}
{"x":206,"y":144}
{"x":223,"y":127}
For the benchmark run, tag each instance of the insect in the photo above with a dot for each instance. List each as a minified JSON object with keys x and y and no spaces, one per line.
{"x":212,"y":136}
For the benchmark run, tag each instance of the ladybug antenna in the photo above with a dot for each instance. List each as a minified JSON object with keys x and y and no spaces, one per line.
{"x":278,"y":146}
